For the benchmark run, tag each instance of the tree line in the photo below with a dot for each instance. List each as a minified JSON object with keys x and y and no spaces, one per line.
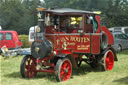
{"x":20,"y":15}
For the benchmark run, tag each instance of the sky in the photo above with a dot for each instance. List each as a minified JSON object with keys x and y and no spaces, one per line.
{"x":42,"y":0}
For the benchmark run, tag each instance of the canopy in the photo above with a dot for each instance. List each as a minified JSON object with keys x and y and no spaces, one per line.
{"x":64,"y":11}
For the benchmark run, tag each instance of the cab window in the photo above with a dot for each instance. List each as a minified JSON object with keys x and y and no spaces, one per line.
{"x":76,"y":22}
{"x":91,"y":24}
{"x":8,"y":36}
{"x":71,"y":24}
{"x":1,"y":36}
{"x":95,"y":25}
{"x":51,"y":20}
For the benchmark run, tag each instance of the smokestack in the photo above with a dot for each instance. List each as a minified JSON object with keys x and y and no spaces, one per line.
{"x":41,"y":18}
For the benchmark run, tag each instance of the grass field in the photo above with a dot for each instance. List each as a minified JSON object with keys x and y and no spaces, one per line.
{"x":85,"y":75}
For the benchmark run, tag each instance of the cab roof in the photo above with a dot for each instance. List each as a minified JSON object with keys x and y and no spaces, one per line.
{"x":65,"y":11}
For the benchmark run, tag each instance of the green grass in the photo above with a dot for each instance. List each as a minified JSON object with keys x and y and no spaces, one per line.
{"x":85,"y":75}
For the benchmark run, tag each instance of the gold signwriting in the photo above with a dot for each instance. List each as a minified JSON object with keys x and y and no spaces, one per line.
{"x":68,"y":43}
{"x":81,"y":43}
{"x":75,"y":39}
{"x":80,"y":39}
{"x":83,"y":47}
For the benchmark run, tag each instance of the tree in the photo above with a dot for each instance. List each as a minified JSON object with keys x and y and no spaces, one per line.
{"x":29,"y":18}
{"x":116,"y":15}
{"x":10,"y":13}
{"x":114,"y":12}
{"x":18,"y":15}
{"x":76,"y":4}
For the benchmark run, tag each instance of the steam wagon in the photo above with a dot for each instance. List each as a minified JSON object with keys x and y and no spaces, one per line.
{"x":63,"y":39}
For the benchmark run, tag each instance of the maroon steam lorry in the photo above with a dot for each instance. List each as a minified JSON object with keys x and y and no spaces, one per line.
{"x":63,"y":39}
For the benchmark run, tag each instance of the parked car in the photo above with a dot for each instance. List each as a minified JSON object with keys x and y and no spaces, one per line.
{"x":9,"y":39}
{"x":119,"y":29}
{"x":120,"y":41}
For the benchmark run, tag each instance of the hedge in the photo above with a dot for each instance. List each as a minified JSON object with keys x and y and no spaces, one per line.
{"x":24,"y":39}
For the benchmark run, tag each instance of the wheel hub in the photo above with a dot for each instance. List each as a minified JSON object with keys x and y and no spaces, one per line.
{"x":66,"y":70}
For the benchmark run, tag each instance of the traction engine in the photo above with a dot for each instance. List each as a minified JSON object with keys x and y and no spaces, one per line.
{"x":63,"y":39}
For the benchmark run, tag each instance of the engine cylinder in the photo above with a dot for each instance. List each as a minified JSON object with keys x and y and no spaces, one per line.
{"x":41,"y":48}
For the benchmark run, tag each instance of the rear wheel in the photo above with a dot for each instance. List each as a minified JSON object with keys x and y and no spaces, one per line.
{"x":63,"y":69}
{"x":108,"y":60}
{"x":28,"y":67}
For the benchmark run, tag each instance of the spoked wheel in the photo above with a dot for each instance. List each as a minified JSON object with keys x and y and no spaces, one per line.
{"x":63,"y":69}
{"x":28,"y":67}
{"x":108,"y":60}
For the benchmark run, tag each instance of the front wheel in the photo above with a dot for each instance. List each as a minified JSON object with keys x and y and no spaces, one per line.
{"x":63,"y":69}
{"x":28,"y":67}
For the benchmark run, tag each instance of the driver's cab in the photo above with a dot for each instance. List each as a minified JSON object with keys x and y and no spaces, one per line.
{"x":70,"y":23}
{"x":69,"y":29}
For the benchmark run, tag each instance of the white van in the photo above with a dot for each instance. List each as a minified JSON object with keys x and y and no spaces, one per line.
{"x":32,"y":31}
{"x":119,"y":29}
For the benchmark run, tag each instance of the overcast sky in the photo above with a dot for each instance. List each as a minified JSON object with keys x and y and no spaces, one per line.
{"x":42,"y":0}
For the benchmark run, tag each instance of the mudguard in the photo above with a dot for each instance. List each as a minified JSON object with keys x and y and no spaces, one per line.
{"x":114,"y":52}
{"x":109,"y":35}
